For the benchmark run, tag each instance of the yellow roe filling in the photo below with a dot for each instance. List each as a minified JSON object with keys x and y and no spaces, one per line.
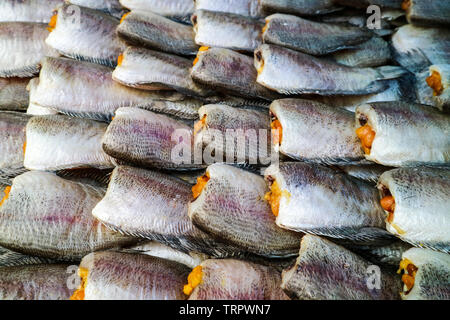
{"x":277,"y":136}
{"x":434,"y":81}
{"x":366,"y":135}
{"x":410,"y":271}
{"x":123,"y":17}
{"x":194,"y":279}
{"x":202,"y":48}
{"x":199,"y":124}
{"x":274,"y":197}
{"x":79,"y":293}
{"x":52,"y":23}
{"x":6,"y":191}
{"x":388,"y":204}
{"x":201,"y":183}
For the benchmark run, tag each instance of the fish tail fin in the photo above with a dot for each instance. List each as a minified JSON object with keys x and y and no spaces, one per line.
{"x":390,"y":72}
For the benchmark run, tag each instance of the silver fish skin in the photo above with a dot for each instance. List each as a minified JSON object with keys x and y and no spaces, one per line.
{"x":425,"y":94}
{"x":388,"y":255}
{"x":87,"y":90}
{"x":232,"y":207}
{"x":152,"y":205}
{"x":319,"y":200}
{"x":13,"y":94}
{"x":406,"y":134}
{"x":22,"y":46}
{"x":421,"y":214}
{"x":315,"y":132}
{"x":229,"y":71}
{"x":90,"y":37}
{"x":432,"y":278}
{"x":51,"y":217}
{"x":235,"y":101}
{"x":12,"y":139}
{"x":372,"y":53}
{"x":34,"y":282}
{"x":363,"y":4}
{"x":216,"y":119}
{"x":248,"y":8}
{"x":367,"y":172}
{"x":440,"y":97}
{"x":152,"y":70}
{"x":34,"y":109}
{"x":398,"y":90}
{"x":129,"y":276}
{"x":148,"y":29}
{"x":111,"y":7}
{"x":157,"y":249}
{"x":300,"y":7}
{"x":148,"y":139}
{"x":327,"y":271}
{"x":427,"y":13}
{"x":415,"y":48}
{"x":55,"y":142}
{"x":28,"y":10}
{"x":10,"y":258}
{"x":315,"y":38}
{"x":230,"y":279}
{"x":179,"y":10}
{"x":291,"y":72}
{"x":226,"y":30}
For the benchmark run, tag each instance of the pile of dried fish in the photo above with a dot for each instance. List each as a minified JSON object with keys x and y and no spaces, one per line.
{"x":232,"y":149}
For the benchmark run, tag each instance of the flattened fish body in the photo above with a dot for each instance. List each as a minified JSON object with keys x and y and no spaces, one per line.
{"x":312,"y":131}
{"x":229,"y":71}
{"x":432,"y":278}
{"x":153,"y":70}
{"x":319,"y":200}
{"x":311,"y":37}
{"x":91,"y":36}
{"x":13,"y":94}
{"x":111,"y":7}
{"x":397,"y":90}
{"x":28,"y":10}
{"x":249,"y":8}
{"x":130,"y":276}
{"x":422,"y":211}
{"x":226,"y":30}
{"x":33,"y":108}
{"x":327,"y":271}
{"x":232,"y":207}
{"x":12,"y":138}
{"x":49,"y":216}
{"x":179,"y":10}
{"x":367,"y":172}
{"x":406,"y":133}
{"x":157,"y":249}
{"x":149,"y":139}
{"x":34,"y":282}
{"x":22,"y":46}
{"x":230,"y":125}
{"x":396,"y":4}
{"x":416,"y":48}
{"x":144,"y":28}
{"x":372,"y":53}
{"x":290,"y":72}
{"x":153,"y":205}
{"x":229,"y":279}
{"x":85,"y":89}
{"x":9,"y":258}
{"x":428,"y":13}
{"x":56,"y":142}
{"x":300,"y":7}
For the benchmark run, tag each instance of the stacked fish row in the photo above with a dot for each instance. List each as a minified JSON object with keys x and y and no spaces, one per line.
{"x":359,"y":116}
